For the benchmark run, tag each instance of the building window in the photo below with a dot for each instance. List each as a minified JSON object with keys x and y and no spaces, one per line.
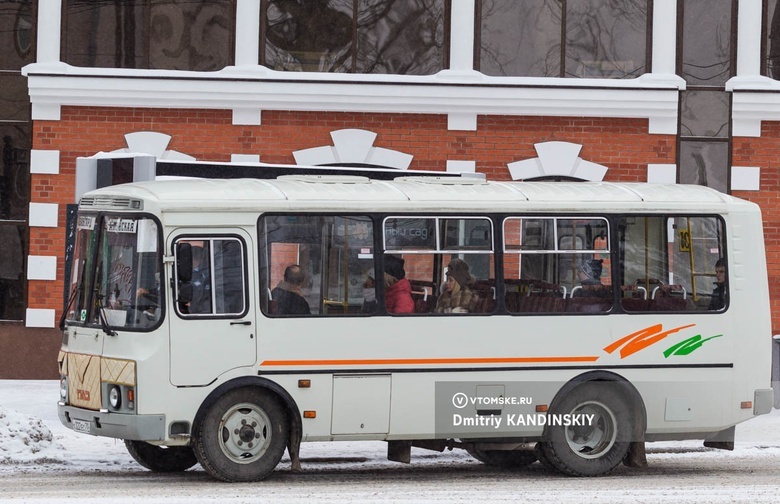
{"x":17,"y":37}
{"x":706,"y":61}
{"x":402,"y":37}
{"x":563,"y":38}
{"x":162,"y":34}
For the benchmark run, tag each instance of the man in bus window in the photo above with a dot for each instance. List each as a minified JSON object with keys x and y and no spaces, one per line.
{"x":720,"y":294}
{"x":589,"y":275}
{"x":287,"y":294}
{"x":201,"y":281}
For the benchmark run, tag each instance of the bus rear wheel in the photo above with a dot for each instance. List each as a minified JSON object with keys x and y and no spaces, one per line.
{"x":598,"y":446}
{"x":161,"y":458}
{"x":504,"y":458}
{"x":242,"y":435}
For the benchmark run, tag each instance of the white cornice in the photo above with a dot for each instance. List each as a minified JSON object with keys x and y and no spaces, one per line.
{"x":653,"y":97}
{"x":755,"y":99}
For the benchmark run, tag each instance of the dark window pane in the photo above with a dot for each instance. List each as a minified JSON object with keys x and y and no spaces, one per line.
{"x":773,"y":39}
{"x":705,"y":114}
{"x":188,"y":35}
{"x":606,"y":39}
{"x":706,"y":49}
{"x":705,"y":163}
{"x":16,"y":34}
{"x":15,"y":171}
{"x":520,"y":38}
{"x":13,"y":249}
{"x":404,"y":37}
{"x":14,"y":100}
{"x":104,"y":34}
{"x":310,"y":36}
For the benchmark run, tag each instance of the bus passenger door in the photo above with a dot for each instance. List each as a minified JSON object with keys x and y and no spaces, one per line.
{"x":212,"y":322}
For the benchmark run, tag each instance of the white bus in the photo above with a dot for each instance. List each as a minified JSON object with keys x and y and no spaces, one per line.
{"x":224,"y":321}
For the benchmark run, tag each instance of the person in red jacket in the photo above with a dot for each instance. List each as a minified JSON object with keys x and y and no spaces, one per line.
{"x":398,"y":290}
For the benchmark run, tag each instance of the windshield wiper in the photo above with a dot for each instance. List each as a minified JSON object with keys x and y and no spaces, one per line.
{"x":64,"y":316}
{"x":102,"y":315}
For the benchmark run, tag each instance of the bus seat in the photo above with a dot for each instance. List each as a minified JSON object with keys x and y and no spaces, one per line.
{"x":669,"y":298}
{"x":423,"y":295}
{"x":485,"y":293}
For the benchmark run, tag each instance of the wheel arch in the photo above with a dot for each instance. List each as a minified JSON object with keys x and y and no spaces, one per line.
{"x":630,"y":393}
{"x":286,"y":400}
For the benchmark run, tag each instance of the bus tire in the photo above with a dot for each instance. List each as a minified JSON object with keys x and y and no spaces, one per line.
{"x":597,"y":448}
{"x":504,"y":458}
{"x":242,"y":435}
{"x":161,"y":458}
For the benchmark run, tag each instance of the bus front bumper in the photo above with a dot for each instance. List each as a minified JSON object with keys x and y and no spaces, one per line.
{"x":113,"y":425}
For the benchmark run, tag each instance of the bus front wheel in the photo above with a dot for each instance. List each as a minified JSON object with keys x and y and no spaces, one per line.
{"x":242,"y":435}
{"x":592,"y":431}
{"x":161,"y":458}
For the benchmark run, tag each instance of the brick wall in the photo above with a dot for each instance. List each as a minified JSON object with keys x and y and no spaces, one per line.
{"x":623,"y":145}
{"x":762,"y":152}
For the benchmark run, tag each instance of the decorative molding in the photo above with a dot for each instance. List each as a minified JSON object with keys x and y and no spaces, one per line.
{"x":353,"y":146}
{"x":45,"y":162}
{"x":461,"y":166}
{"x":154,"y":144}
{"x":745,"y":178}
{"x":662,"y":173}
{"x":245,"y":158}
{"x":557,"y":159}
{"x":462,"y":122}
{"x":41,"y":267}
{"x":39,"y":317}
{"x":43,"y":214}
{"x":247,"y":90}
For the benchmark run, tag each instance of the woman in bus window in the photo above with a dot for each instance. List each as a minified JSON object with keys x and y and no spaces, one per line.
{"x":457,"y":296}
{"x":398,"y":290}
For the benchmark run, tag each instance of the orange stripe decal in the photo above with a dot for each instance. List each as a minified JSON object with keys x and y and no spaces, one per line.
{"x":407,"y":362}
{"x":642,"y":339}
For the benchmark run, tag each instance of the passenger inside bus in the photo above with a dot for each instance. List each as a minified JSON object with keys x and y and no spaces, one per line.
{"x":201,"y":281}
{"x":589,"y":274}
{"x":398,"y":290}
{"x":720,"y":294}
{"x":287,"y":294}
{"x":457,"y":296}
{"x":369,"y":294}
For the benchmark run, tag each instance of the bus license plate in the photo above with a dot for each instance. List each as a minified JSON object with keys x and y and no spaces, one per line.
{"x":81,"y":426}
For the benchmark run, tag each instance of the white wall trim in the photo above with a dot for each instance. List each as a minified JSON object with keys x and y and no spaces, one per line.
{"x":43,"y":214}
{"x":454,"y":166}
{"x":245,"y":158}
{"x":557,"y":159}
{"x":662,"y":173}
{"x":41,"y":267}
{"x":353,"y":146}
{"x":745,"y":178}
{"x":248,"y":91}
{"x":45,"y":162}
{"x":39,"y":317}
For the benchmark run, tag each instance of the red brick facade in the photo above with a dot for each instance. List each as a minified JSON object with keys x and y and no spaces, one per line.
{"x":623,"y":145}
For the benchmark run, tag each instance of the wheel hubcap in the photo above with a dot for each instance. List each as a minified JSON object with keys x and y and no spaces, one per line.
{"x":245,"y":433}
{"x":597,"y":437}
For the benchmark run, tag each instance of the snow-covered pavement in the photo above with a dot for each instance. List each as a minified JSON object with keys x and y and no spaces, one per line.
{"x":42,"y":461}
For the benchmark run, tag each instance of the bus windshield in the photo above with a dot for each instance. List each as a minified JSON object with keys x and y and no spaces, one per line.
{"x":115,"y":277}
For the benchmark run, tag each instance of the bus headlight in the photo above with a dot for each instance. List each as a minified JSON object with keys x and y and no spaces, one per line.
{"x":115,"y":397}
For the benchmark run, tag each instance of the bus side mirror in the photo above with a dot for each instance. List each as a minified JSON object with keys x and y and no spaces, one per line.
{"x":184,"y":262}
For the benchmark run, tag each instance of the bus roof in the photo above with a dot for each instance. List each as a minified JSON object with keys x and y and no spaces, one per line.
{"x":354,"y":192}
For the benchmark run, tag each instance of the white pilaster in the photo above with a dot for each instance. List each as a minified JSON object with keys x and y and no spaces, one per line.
{"x":247,"y":32}
{"x":664,"y":36}
{"x":462,"y":36}
{"x":749,"y":38}
{"x":49,"y":23}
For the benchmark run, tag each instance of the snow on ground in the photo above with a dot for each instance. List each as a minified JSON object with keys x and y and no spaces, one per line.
{"x":35,"y":447}
{"x":31,"y":434}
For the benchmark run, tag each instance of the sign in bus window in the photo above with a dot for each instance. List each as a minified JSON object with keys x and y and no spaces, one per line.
{"x":409,"y":233}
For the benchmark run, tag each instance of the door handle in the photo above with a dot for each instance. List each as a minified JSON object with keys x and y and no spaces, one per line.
{"x":241,"y":322}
